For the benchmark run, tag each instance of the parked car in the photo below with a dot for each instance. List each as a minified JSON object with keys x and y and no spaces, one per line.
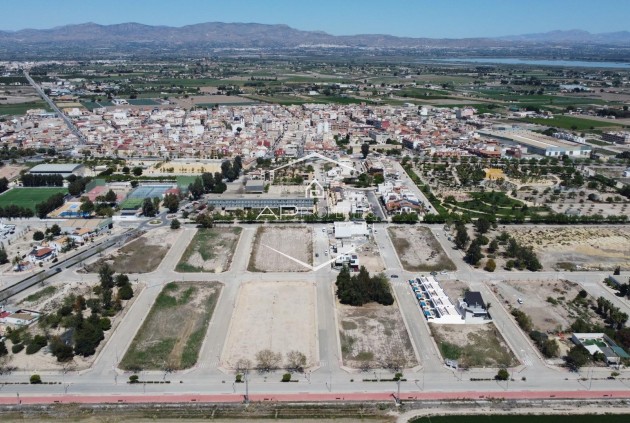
{"x":520,"y":301}
{"x":394,"y":276}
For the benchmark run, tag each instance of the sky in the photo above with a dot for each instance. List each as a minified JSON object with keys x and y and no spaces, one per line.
{"x":412,"y":18}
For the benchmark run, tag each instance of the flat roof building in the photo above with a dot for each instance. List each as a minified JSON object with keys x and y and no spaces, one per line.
{"x":299,"y":205}
{"x":540,"y":144}
{"x":64,"y":170}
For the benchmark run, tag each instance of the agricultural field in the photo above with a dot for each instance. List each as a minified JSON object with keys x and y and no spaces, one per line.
{"x":28,"y":197}
{"x":374,"y":336}
{"x":210,"y":250}
{"x":473,"y":345}
{"x":21,"y":108}
{"x":572,"y":123}
{"x":167,"y":343}
{"x":578,"y":247}
{"x":418,"y":250}
{"x":272,"y":242}
{"x":276,"y":316}
{"x":142,"y":255}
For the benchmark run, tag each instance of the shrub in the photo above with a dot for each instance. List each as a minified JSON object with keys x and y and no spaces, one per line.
{"x":502,"y":374}
{"x":491,"y":265}
{"x":38,"y":236}
{"x":35,"y":379}
{"x":134,"y":379}
{"x":17,"y":348}
{"x":286,"y":377}
{"x":37,"y":343}
{"x":3,"y":349}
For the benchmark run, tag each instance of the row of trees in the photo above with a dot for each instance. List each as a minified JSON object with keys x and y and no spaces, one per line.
{"x":55,"y":201}
{"x":362,"y":288}
{"x":612,"y":313}
{"x":232,"y":170}
{"x":12,"y":210}
{"x":35,"y":180}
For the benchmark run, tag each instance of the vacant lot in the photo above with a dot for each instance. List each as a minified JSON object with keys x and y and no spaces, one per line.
{"x":141,"y":255}
{"x":575,"y":247}
{"x":279,"y":316}
{"x":473,"y":345}
{"x":370,"y":257}
{"x":210,"y":250}
{"x":549,"y":303}
{"x":28,"y":197}
{"x":271,"y":245}
{"x":374,"y":336}
{"x":454,"y":289}
{"x":173,"y":332}
{"x":418,"y":249}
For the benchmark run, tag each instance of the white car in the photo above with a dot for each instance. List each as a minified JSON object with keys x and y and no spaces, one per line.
{"x":520,"y":301}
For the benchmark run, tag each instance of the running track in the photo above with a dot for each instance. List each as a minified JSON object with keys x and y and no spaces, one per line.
{"x":306,"y":397}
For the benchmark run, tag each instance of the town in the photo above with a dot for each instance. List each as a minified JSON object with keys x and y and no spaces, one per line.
{"x":225,"y":226}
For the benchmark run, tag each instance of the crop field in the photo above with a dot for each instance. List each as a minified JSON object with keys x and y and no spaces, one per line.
{"x":210,"y":250}
{"x":28,"y":197}
{"x":573,"y":123}
{"x":165,"y":342}
{"x":21,"y":108}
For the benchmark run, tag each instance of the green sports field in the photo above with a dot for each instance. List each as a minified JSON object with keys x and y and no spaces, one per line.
{"x":28,"y":197}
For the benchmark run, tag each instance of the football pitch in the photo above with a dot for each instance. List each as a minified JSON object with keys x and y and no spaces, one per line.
{"x":28,"y":197}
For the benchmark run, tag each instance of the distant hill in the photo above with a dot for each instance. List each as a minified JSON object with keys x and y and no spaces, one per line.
{"x":134,"y":40}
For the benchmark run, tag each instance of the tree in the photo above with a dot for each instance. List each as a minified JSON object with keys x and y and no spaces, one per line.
{"x":121,"y":280}
{"x":38,"y":236}
{"x":502,"y":374}
{"x":267,"y":360}
{"x":106,"y":276}
{"x":126,"y":170}
{"x":110,"y":196}
{"x":125,"y":292}
{"x":171,"y":202}
{"x":137,"y":171}
{"x":55,"y":230}
{"x":4,"y":258}
{"x":490,"y":265}
{"x":493,"y":246}
{"x":35,"y":379}
{"x":205,"y":220}
{"x":87,"y":206}
{"x":60,"y":350}
{"x":75,"y":188}
{"x":175,"y":224}
{"x":473,"y":254}
{"x":461,"y":237}
{"x":295,"y":361}
{"x":3,"y":349}
{"x":365,"y":150}
{"x":482,"y":225}
{"x":148,"y":208}
{"x":577,"y":357}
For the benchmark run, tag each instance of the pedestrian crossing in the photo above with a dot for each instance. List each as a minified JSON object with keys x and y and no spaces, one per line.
{"x":212,"y":364}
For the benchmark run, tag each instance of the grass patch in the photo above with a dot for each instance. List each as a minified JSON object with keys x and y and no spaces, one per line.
{"x":42,"y":293}
{"x":29,"y":197}
{"x":167,"y":342}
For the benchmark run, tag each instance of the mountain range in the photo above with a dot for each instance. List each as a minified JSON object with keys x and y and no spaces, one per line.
{"x":253,"y":35}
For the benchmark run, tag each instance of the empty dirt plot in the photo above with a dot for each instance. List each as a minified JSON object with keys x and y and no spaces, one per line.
{"x":294,"y":241}
{"x":418,"y":250}
{"x":374,"y":336}
{"x":166,"y":341}
{"x":210,"y":250}
{"x":278,"y":316}
{"x":473,"y":345}
{"x":548,"y":303}
{"x":141,"y":255}
{"x":578,"y":247}
{"x":454,"y":289}
{"x":370,"y":257}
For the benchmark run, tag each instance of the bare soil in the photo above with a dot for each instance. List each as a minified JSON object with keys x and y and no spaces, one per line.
{"x":374,"y":336}
{"x":418,"y":250}
{"x":294,"y":241}
{"x":454,"y":289}
{"x":167,"y":342}
{"x":549,"y":303}
{"x":370,"y":257}
{"x":279,"y":316}
{"x":580,"y":248}
{"x":142,"y":255}
{"x":210,"y":250}
{"x":479,"y":345}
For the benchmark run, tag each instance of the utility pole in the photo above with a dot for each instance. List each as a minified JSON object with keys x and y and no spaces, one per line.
{"x":398,"y":392}
{"x":246,"y":386}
